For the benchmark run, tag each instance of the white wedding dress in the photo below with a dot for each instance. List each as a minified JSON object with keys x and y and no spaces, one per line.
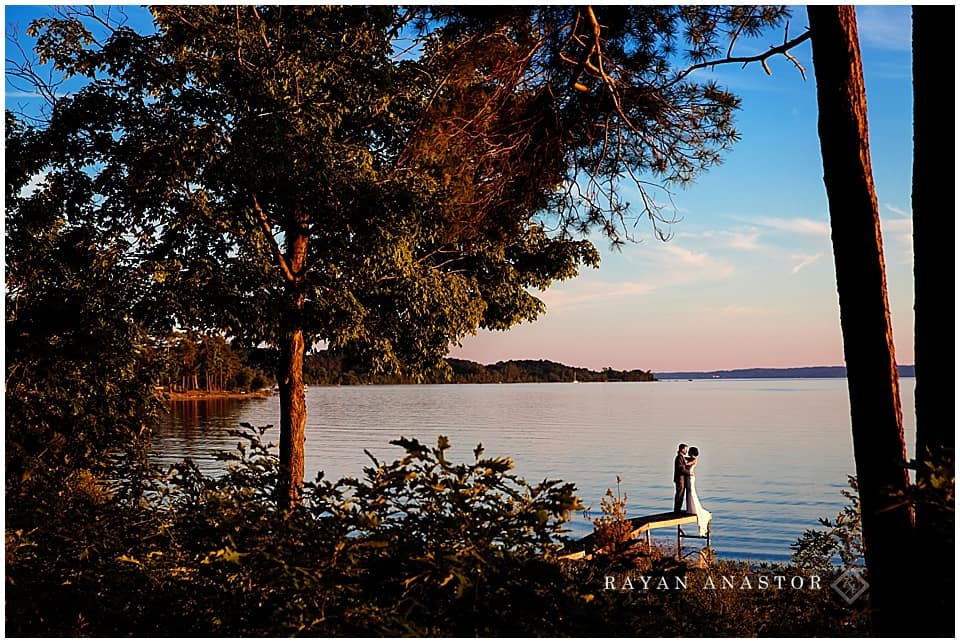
{"x":694,"y":506}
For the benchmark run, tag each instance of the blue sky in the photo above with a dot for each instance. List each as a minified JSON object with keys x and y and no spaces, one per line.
{"x":747,"y":278}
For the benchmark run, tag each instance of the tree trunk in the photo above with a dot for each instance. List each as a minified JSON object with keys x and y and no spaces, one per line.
{"x":878,"y":442}
{"x":933,"y":275}
{"x":293,"y":405}
{"x":293,"y":417}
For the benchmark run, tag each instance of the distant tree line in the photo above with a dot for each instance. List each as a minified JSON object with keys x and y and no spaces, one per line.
{"x":465,"y":371}
{"x":325,"y":368}
{"x":193,"y":362}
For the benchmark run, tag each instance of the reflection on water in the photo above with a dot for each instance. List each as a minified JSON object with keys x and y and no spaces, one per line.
{"x":197,"y":429}
{"x":191,"y":418}
{"x":775,"y":454}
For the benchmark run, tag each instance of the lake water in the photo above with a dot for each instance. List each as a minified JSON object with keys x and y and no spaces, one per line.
{"x":775,"y":454}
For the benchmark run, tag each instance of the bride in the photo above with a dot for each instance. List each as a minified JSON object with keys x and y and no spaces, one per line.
{"x":693,"y":502}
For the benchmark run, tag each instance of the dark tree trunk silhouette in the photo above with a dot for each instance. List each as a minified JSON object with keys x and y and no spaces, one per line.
{"x":876,"y":422}
{"x":933,"y":270}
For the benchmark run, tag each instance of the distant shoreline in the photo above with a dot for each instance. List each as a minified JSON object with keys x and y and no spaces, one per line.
{"x":801,"y":372}
{"x":177,"y":396}
{"x":804,"y":372}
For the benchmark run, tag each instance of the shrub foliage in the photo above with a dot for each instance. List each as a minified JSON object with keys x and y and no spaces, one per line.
{"x":420,"y":546}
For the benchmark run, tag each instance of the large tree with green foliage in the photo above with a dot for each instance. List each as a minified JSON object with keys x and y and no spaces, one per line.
{"x":79,"y":369}
{"x":252,"y":155}
{"x":285,"y":175}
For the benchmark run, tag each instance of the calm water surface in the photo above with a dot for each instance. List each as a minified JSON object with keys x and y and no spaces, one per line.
{"x":775,"y":454}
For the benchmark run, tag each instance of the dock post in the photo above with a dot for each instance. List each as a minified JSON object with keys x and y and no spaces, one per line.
{"x":707,"y":555}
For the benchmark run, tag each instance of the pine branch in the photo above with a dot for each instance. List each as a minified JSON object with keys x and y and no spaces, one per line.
{"x":783,"y":50}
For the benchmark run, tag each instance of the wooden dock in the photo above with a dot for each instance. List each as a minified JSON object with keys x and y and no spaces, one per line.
{"x":584,"y":548}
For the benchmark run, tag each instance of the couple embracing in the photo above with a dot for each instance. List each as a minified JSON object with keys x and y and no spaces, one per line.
{"x":684,"y":478}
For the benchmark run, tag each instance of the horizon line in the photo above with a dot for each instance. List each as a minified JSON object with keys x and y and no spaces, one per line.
{"x":713,"y":370}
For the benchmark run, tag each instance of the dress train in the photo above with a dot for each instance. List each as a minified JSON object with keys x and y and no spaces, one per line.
{"x":694,"y":506}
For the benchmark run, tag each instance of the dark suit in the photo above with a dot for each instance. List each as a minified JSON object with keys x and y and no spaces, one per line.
{"x":680,"y":477}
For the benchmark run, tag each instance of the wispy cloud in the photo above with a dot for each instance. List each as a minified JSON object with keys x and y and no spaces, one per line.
{"x":897,"y":211}
{"x":898,"y":225}
{"x":19,"y":94}
{"x":748,"y":239}
{"x":665,"y":265}
{"x":570,"y":297}
{"x":690,"y":265}
{"x":898,"y":239}
{"x":801,"y":226}
{"x":783,"y":254}
{"x":884,"y":27}
{"x":804,"y":261}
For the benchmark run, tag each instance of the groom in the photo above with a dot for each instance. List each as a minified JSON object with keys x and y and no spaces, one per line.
{"x":681,"y":477}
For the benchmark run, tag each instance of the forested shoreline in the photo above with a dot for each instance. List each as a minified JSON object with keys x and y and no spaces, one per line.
{"x":323,"y":368}
{"x":208,"y":363}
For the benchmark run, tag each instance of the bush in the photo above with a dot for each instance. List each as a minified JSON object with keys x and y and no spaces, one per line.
{"x":418,"y":547}
{"x":242,"y":378}
{"x":451,"y":546}
{"x":258,"y":382}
